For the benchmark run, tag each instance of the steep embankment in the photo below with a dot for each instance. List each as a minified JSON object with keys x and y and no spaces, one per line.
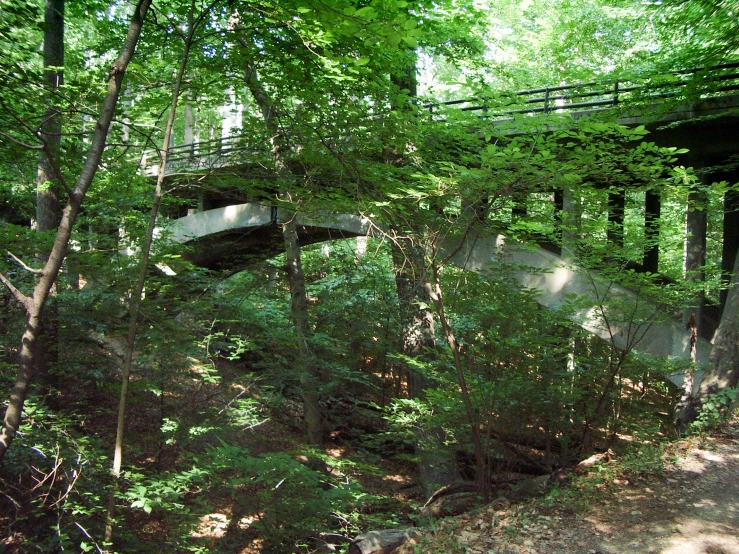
{"x":691,"y":508}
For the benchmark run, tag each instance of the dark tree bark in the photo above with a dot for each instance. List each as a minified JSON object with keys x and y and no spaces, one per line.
{"x":50,"y":179}
{"x":136,"y":293}
{"x":731,"y":240}
{"x":417,"y":323}
{"x":47,"y":194}
{"x":436,"y":467}
{"x":34,"y":304}
{"x":695,"y":252}
{"x":482,"y":476}
{"x":616,"y":208}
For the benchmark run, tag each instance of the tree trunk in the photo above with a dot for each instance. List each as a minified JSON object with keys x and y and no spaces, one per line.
{"x":482,"y":477}
{"x":652,"y":210}
{"x":309,"y":374}
{"x":47,"y":192}
{"x":49,"y":182}
{"x":417,"y":323}
{"x":35,"y":303}
{"x":730,"y":242}
{"x":616,"y":210}
{"x":309,"y":371}
{"x":137,"y":291}
{"x":723,"y":370}
{"x":437,"y":467}
{"x":695,"y":253}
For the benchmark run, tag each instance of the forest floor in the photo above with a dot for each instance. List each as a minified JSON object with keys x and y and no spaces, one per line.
{"x":690,"y":507}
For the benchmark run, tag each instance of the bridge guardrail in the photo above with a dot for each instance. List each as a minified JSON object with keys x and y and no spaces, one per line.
{"x":695,"y":83}
{"x":700,"y":82}
{"x":204,"y":155}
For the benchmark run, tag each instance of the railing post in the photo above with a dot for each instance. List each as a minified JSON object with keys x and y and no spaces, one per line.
{"x":546,"y":100}
{"x":615,"y":93}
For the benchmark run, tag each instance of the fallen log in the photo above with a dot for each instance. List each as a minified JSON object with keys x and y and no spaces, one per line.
{"x":386,"y":541}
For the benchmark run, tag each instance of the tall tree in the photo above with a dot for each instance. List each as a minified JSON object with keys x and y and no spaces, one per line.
{"x":48,"y":188}
{"x":49,"y":169}
{"x":193,"y":22}
{"x":46,"y":276}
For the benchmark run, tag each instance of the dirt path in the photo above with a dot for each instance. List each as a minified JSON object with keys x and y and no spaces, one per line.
{"x":693,"y":508}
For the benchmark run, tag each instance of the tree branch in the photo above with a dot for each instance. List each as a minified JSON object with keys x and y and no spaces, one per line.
{"x":21,"y":143}
{"x":18,"y":295}
{"x":24,"y":266}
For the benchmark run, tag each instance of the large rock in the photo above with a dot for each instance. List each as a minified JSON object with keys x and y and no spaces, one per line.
{"x":386,"y":541}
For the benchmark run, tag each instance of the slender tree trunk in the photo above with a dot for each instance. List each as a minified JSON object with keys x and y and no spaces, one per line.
{"x":137,"y":292}
{"x":730,"y":242}
{"x":310,"y":375}
{"x":437,"y":466}
{"x":652,"y":208}
{"x":616,"y":210}
{"x":695,"y":253}
{"x":48,"y":190}
{"x":417,"y":323}
{"x":482,"y":477}
{"x":34,"y":304}
{"x":309,"y":371}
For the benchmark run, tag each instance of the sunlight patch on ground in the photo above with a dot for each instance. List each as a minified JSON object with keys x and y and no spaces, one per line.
{"x":215,"y":526}
{"x":700,"y":460}
{"x":402,"y":479}
{"x":698,"y":536}
{"x":336,"y":452}
{"x":211,"y":526}
{"x":245,"y":522}
{"x":711,"y":456}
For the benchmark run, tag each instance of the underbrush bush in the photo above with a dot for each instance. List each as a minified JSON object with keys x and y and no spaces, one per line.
{"x":290,"y":501}
{"x":52,"y":484}
{"x":715,"y":411}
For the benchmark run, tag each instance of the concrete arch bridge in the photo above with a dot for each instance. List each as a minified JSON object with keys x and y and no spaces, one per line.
{"x":697,"y":109}
{"x":232,"y":237}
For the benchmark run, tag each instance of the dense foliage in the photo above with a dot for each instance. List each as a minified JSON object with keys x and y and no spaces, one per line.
{"x":314,"y":107}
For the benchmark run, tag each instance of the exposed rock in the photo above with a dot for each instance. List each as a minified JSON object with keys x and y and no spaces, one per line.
{"x":386,"y":541}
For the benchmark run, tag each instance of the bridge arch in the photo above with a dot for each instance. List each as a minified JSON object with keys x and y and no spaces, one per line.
{"x":235,"y":236}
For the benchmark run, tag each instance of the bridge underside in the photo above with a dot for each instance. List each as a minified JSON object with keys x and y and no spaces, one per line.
{"x":237,"y":237}
{"x":238,"y":250}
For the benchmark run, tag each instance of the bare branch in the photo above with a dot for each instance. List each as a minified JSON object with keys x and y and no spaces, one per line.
{"x":24,"y":266}
{"x":21,"y":143}
{"x":18,"y":295}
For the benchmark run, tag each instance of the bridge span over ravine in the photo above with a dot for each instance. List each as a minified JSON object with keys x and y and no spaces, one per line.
{"x":225,"y":237}
{"x":693,"y":109}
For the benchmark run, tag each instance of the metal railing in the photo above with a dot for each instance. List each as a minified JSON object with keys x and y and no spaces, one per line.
{"x":696,"y":83}
{"x":206,"y":155}
{"x":689,"y":83}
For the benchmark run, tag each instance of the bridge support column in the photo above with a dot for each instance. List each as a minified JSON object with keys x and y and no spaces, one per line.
{"x":616,"y":209}
{"x":571,"y":211}
{"x":652,"y":209}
